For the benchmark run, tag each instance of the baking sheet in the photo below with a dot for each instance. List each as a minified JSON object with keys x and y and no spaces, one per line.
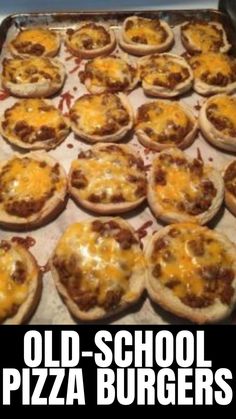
{"x":51,"y":309}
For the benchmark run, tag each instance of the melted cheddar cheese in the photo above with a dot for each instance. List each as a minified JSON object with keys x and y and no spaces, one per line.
{"x":202,"y":36}
{"x":107,"y":71}
{"x":36,"y":113}
{"x":89,"y":37}
{"x":181,"y":184}
{"x":35,"y":36}
{"x":212,"y":63}
{"x":103,"y":264}
{"x":145,"y":31}
{"x":162,"y":118}
{"x":179,"y":181}
{"x":107,"y":175}
{"x":12,"y":293}
{"x":157,"y":69}
{"x":224,"y":107}
{"x":30,"y":70}
{"x":181,"y":269}
{"x":24,"y":178}
{"x":99,"y":114}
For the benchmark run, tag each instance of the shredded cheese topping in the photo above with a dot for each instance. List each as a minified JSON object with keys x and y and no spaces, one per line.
{"x":157,"y":69}
{"x":12,"y":293}
{"x":99,"y":114}
{"x":36,"y":113}
{"x":162,"y":118}
{"x":205,"y":37}
{"x":42,"y":36}
{"x":212,"y":63}
{"x":30,"y":70}
{"x":146,"y":31}
{"x":182,"y":268}
{"x":24,"y":178}
{"x":107,"y":173}
{"x":89,"y":37}
{"x":103,"y":264}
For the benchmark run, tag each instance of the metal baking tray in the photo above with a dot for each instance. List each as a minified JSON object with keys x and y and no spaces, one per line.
{"x":51,"y":310}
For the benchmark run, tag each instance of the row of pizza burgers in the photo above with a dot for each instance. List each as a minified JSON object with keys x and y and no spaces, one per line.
{"x":99,"y":266}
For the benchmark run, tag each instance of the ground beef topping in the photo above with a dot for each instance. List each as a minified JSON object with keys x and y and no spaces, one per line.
{"x":203,"y":36}
{"x":190,"y":269}
{"x":97,"y":271}
{"x":121,"y":177}
{"x":230,"y":178}
{"x":163,"y":70}
{"x":89,"y":37}
{"x":26,"y":185}
{"x":182,"y":186}
{"x":165,"y":123}
{"x":102,"y":114}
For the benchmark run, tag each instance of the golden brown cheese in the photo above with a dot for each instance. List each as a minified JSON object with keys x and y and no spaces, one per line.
{"x":230,"y":178}
{"x":35,"y":36}
{"x":222,"y":113}
{"x":30,"y":70}
{"x":146,"y":31}
{"x":99,"y":114}
{"x":204,"y":37}
{"x":182,"y":269}
{"x":36,"y":114}
{"x":158,"y":69}
{"x":27,"y":178}
{"x":108,"y":174}
{"x":162,"y":118}
{"x":12,"y":293}
{"x":103,"y":264}
{"x":181,"y":184}
{"x":89,"y":37}
{"x":109,"y":72}
{"x":212,"y":63}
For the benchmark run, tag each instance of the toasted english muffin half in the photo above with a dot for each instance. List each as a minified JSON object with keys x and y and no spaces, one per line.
{"x":35,"y":42}
{"x":217,"y":120}
{"x":98,"y":268}
{"x":33,"y":190}
{"x":142,"y":36}
{"x":192,"y":272}
{"x":203,"y":36}
{"x":163,"y":124}
{"x":90,"y":40}
{"x":182,"y":189}
{"x":230,"y":186}
{"x":34,"y":124}
{"x":101,"y":117}
{"x":33,"y":77}
{"x":165,"y":75}
{"x":108,"y":179}
{"x":109,"y":74}
{"x":20,"y":283}
{"x":213,"y":73}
